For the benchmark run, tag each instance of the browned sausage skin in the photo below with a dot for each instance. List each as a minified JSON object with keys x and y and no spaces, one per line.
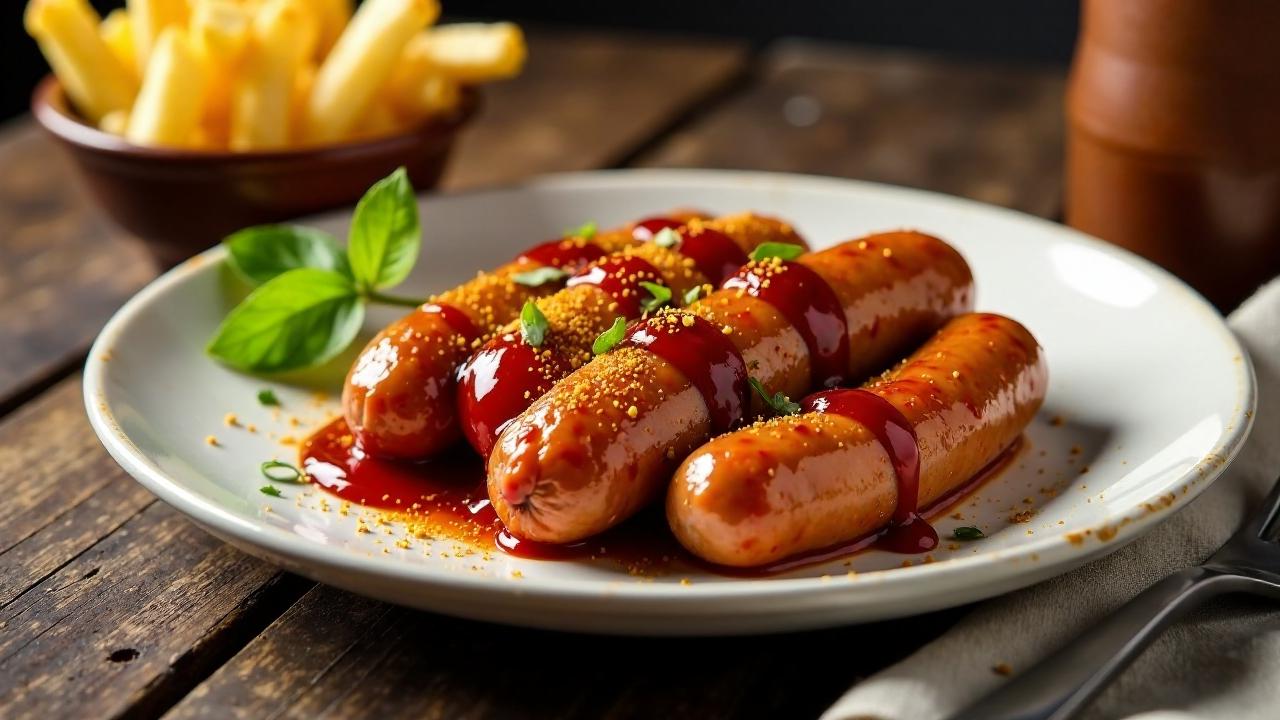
{"x":604,"y":441}
{"x":398,"y":397}
{"x":804,"y":482}
{"x":505,"y":375}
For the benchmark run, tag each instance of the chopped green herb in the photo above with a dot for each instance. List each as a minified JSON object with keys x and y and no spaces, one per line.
{"x":277,"y":471}
{"x":533,"y":324}
{"x":967,"y":533}
{"x":268,"y":397}
{"x":611,"y":337}
{"x":541,"y":276}
{"x":586,"y":231}
{"x":781,"y":404}
{"x":659,"y":295}
{"x":667,"y":238}
{"x":782,"y":251}
{"x":271,"y":490}
{"x":694,"y":293}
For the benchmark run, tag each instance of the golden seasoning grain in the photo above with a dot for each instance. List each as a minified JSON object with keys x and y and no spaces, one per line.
{"x":211,"y":441}
{"x":632,"y":411}
{"x":230,"y":420}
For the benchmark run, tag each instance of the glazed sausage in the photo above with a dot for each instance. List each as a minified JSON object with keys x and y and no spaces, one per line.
{"x":803,"y":482}
{"x":398,"y":397}
{"x":605,"y":440}
{"x":506,"y":375}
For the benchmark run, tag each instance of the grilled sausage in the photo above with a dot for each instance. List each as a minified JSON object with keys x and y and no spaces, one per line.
{"x":605,"y":440}
{"x":803,"y":482}
{"x":506,"y":375}
{"x":399,"y":394}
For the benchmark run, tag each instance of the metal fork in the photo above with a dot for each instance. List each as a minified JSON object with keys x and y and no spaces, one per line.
{"x":1060,"y":685}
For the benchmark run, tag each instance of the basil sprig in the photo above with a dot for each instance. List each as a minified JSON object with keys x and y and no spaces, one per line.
{"x":779,"y":403}
{"x":782,"y":251}
{"x":310,"y":297}
{"x":261,"y":253}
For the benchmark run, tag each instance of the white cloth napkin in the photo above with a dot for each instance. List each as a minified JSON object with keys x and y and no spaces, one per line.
{"x":1222,"y":662}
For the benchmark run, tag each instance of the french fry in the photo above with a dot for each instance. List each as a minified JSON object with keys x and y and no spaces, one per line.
{"x":380,"y":120}
{"x":470,"y":52}
{"x":425,"y":96}
{"x":260,"y":111}
{"x":334,"y":16}
{"x":361,"y":63}
{"x":220,"y":29}
{"x":114,"y":122}
{"x":150,"y":18}
{"x":171,"y":101}
{"x":94,"y":78}
{"x":220,"y":32}
{"x":303,"y":80}
{"x":116,"y":31}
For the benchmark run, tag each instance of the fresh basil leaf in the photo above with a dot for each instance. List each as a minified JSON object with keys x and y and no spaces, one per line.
{"x":263,"y":252}
{"x":268,"y":397}
{"x":586,"y":231}
{"x":540,"y":276}
{"x":781,"y":404}
{"x":301,"y":318}
{"x":533,"y":324}
{"x":782,"y":251}
{"x":694,"y":293}
{"x":385,"y":235}
{"x":283,"y":472}
{"x":667,"y":238}
{"x":968,"y":533}
{"x":606,"y":340}
{"x":659,"y":295}
{"x":271,"y":490}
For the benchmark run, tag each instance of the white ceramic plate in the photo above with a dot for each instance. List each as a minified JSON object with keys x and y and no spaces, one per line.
{"x":1148,"y":390}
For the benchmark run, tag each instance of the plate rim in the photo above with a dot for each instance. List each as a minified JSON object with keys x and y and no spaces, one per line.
{"x":1053,"y":549}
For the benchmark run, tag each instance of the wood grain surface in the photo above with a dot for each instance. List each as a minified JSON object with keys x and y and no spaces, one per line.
{"x":990,"y":133}
{"x":113,"y":605}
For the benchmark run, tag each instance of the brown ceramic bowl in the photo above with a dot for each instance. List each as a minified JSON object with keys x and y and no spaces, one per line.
{"x":183,"y":201}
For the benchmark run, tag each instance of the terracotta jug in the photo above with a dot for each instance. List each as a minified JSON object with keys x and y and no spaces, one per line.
{"x":1173,"y":147}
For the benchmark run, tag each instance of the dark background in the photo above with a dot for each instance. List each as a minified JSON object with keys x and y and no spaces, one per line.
{"x":1016,"y":30}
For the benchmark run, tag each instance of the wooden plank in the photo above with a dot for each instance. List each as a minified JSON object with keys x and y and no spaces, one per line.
{"x":129,"y":624}
{"x":367,"y":659}
{"x":62,"y":492}
{"x":92,"y":568}
{"x":585,"y":101}
{"x":63,"y":269}
{"x":989,"y":132}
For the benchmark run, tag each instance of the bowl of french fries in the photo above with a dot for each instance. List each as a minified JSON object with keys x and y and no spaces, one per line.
{"x":190,"y":119}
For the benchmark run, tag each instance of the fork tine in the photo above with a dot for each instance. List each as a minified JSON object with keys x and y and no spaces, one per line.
{"x":1266,"y":522}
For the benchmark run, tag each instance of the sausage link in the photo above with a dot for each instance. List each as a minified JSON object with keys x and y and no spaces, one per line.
{"x":398,"y":396}
{"x":803,"y":482}
{"x":604,"y":441}
{"x":506,"y":375}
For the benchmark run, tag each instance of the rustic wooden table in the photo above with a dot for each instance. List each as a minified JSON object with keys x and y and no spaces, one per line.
{"x":114,"y":605}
